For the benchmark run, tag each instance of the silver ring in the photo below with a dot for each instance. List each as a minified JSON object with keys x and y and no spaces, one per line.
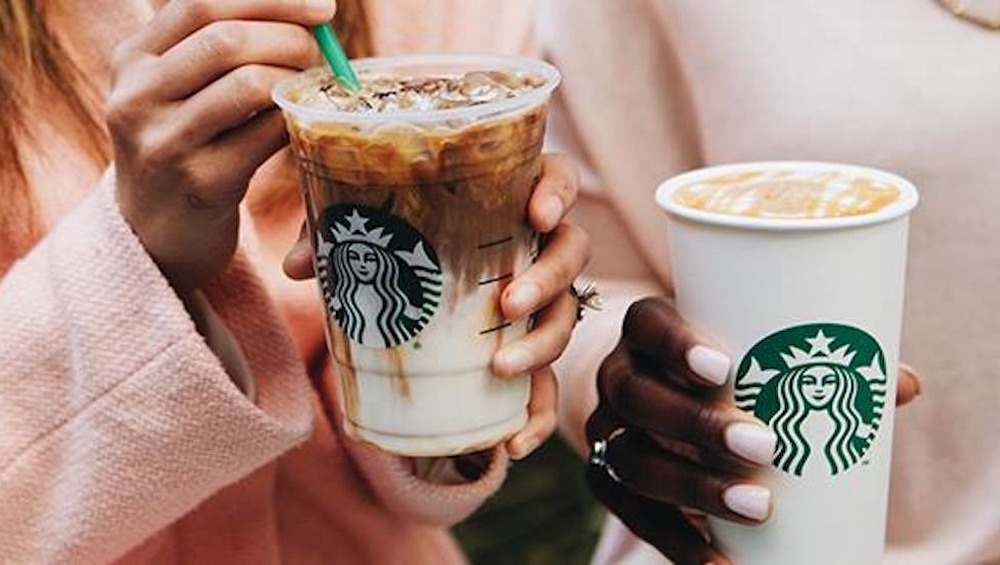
{"x":599,"y":453}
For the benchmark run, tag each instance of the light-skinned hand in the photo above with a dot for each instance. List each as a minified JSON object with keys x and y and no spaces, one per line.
{"x":191,"y":119}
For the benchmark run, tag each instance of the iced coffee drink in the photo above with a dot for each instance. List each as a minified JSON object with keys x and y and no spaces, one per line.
{"x":416,"y":190}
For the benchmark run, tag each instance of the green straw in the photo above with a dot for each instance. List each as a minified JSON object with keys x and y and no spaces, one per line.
{"x":335,"y":56}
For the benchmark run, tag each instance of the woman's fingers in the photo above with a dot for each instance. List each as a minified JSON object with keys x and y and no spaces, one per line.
{"x":542,"y":418}
{"x":219,"y":173}
{"x":643,"y":467}
{"x":298,"y":262}
{"x":218,"y":48}
{"x":180,"y":18}
{"x":543,"y":344}
{"x":909,"y":386}
{"x":225,"y":104}
{"x":654,"y":329}
{"x":657,"y":407}
{"x":555,"y":194}
{"x":662,"y":525}
{"x":562,"y":260}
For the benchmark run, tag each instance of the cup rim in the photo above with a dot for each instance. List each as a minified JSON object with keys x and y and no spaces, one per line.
{"x":908,"y":197}
{"x":482,"y":61}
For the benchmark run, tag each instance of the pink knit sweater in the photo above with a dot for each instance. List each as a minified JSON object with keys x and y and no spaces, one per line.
{"x":122,"y":437}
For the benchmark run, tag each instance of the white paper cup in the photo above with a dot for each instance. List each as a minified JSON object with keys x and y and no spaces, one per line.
{"x":419,"y":221}
{"x":810,"y":310}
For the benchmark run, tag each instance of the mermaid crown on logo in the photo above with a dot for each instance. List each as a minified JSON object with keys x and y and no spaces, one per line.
{"x":787,"y":386}
{"x":819,"y":353}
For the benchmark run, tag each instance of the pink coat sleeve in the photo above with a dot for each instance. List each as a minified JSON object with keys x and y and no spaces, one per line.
{"x":116,"y":418}
{"x":421,"y":498}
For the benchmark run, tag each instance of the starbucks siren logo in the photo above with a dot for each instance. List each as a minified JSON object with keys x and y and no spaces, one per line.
{"x":798,"y":374}
{"x":381,"y":279}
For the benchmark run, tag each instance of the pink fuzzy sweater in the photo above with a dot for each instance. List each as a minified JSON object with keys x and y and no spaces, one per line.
{"x":122,"y":437}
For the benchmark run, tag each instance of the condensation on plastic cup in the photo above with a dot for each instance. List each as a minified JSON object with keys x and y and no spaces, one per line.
{"x":422,"y":65}
{"x":434,"y":394}
{"x":903,"y":205}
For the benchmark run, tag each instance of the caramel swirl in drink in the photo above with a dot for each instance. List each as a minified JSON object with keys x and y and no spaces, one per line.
{"x":416,"y":190}
{"x":788,"y":194}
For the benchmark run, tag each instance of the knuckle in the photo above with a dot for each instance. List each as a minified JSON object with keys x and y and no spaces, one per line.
{"x":558,"y":274}
{"x":154,"y":152}
{"x":706,"y":490}
{"x":210,"y":185}
{"x":697,"y":488}
{"x":303,"y":48}
{"x":198,"y":10}
{"x":547,"y":421}
{"x":222,"y":41}
{"x":628,"y":398}
{"x":706,"y":426}
{"x":253,"y":85}
{"x":193,"y":180}
{"x":636,"y":312}
{"x":121,"y":55}
{"x":121,"y":109}
{"x":546,"y":356}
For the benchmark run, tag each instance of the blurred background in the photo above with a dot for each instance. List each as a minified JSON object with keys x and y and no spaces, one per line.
{"x":543,"y":515}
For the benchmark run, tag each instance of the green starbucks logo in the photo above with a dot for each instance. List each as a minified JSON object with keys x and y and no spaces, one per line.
{"x":381,"y":278}
{"x":821,"y":388}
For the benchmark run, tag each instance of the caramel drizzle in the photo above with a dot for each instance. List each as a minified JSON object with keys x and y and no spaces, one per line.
{"x":788,"y":196}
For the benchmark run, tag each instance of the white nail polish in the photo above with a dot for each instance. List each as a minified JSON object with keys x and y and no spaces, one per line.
{"x":709,"y":364}
{"x":751,"y":442}
{"x":751,"y":501}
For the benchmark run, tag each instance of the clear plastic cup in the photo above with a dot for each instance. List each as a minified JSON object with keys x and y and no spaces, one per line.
{"x":419,"y":220}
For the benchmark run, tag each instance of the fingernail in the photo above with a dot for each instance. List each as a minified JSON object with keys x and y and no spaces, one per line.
{"x":709,"y":364}
{"x":514,"y":358}
{"x":751,"y":501}
{"x":751,"y":442}
{"x":321,"y":6}
{"x":524,"y":297}
{"x":917,"y":379}
{"x":551,"y":211}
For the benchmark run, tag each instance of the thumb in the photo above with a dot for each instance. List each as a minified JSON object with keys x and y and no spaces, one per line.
{"x":909,"y":386}
{"x":298,"y":263}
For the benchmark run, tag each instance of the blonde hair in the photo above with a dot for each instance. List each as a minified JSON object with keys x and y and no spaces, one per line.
{"x":36,"y":64}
